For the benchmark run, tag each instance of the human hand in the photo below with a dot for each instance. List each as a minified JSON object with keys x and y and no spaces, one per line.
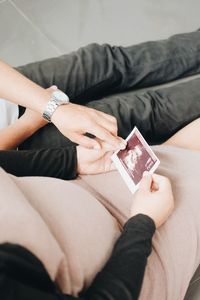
{"x":154,"y":198}
{"x":75,"y":120}
{"x":91,"y":161}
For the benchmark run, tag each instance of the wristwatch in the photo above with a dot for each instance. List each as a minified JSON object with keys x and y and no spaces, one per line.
{"x":57,"y":98}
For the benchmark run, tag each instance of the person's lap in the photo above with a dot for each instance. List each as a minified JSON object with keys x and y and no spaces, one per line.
{"x":94,"y":71}
{"x":158,"y":114}
{"x":175,"y":255}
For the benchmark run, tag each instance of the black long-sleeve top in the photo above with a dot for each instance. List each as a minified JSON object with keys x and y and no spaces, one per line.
{"x":23,"y":277}
{"x":58,"y":162}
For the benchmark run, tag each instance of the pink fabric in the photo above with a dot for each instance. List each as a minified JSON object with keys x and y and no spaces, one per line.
{"x":63,"y":225}
{"x":72,"y":226}
{"x":176,"y":254}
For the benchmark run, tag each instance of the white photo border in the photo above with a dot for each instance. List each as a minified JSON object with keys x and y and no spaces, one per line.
{"x":126,"y":177}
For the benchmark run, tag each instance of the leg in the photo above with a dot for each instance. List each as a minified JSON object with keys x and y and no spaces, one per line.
{"x":94,"y":71}
{"x":188,"y":137}
{"x":158,"y":114}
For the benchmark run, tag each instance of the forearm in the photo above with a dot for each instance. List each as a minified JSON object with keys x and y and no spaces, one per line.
{"x":123,"y":274}
{"x":23,"y":92}
{"x":59,"y":163}
{"x":12,"y":136}
{"x":120,"y":279}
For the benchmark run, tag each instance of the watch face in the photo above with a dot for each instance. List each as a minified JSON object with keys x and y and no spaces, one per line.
{"x":60,"y":97}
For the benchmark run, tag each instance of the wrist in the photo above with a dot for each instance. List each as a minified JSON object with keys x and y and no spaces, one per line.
{"x":29,"y":126}
{"x":141,"y":220}
{"x":42,"y":100}
{"x":58,"y":114}
{"x":57,"y":99}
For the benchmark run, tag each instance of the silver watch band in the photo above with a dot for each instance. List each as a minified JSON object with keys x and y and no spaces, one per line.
{"x":57,"y":98}
{"x":49,"y":110}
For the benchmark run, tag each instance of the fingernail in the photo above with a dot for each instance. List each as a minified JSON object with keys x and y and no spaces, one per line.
{"x":122,"y":146}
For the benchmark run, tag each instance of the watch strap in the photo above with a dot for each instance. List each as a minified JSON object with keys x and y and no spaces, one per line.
{"x":49,"y":110}
{"x":57,"y":98}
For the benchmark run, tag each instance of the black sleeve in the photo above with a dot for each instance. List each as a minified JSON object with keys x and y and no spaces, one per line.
{"x":123,"y":274}
{"x":23,"y":277}
{"x":56,"y":162}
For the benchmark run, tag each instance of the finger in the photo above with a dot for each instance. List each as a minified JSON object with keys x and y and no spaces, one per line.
{"x":104,"y":146}
{"x":112,"y":167}
{"x":109,"y":166}
{"x":146,"y":182}
{"x":161,"y":182}
{"x":107,"y":137}
{"x":85,"y":141}
{"x":154,"y":186}
{"x":107,"y":124}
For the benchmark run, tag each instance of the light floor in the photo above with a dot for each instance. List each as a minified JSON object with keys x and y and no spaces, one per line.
{"x":32,"y":30}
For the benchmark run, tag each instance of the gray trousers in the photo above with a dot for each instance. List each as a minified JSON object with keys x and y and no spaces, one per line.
{"x":105,"y":77}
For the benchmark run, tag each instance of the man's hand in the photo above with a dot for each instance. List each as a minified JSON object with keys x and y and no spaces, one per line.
{"x":75,"y":120}
{"x":72,"y":120}
{"x":93,"y":161}
{"x":154,"y":198}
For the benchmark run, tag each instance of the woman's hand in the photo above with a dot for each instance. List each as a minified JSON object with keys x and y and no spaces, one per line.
{"x":154,"y":198}
{"x":91,"y":161}
{"x":13,"y":135}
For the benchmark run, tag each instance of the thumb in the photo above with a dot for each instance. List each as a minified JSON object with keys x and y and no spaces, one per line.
{"x":146,"y":182}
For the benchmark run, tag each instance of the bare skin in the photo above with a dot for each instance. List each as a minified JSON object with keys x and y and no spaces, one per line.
{"x":188,"y":137}
{"x":30,"y":122}
{"x":90,"y":161}
{"x":154,"y":198}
